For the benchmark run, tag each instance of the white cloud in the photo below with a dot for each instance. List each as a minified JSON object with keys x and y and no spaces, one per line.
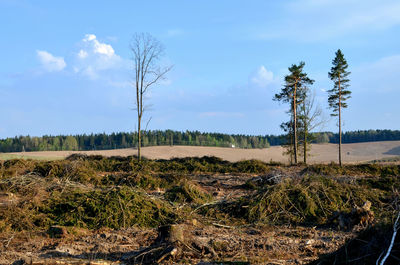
{"x":98,"y":47}
{"x":89,"y":37}
{"x":262,"y":77}
{"x":50,"y":62}
{"x":95,"y":57}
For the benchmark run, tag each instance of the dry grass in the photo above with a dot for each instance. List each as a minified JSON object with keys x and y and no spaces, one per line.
{"x":8,"y":156}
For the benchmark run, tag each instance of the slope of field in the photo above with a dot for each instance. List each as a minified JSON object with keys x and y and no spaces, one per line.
{"x":320,"y":153}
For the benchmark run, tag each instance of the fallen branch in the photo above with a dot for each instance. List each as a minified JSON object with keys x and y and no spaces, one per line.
{"x":171,"y":252}
{"x":396,"y":227}
{"x":9,"y":241}
{"x":223,"y":226}
{"x":206,"y":204}
{"x":146,"y":252}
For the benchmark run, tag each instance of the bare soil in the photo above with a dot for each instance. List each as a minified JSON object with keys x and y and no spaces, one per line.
{"x":255,"y":245}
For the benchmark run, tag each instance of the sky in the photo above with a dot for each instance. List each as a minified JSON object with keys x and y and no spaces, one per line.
{"x":66,"y":66}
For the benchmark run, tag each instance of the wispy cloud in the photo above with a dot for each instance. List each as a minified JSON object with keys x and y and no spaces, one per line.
{"x":174,"y":32}
{"x":379,"y":76}
{"x":221,"y":114}
{"x":82,"y":54}
{"x":312,"y":20}
{"x":50,"y":62}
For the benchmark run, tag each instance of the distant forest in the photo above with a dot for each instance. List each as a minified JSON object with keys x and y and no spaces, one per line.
{"x":104,"y":141}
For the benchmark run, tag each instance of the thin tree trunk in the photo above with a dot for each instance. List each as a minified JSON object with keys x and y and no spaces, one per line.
{"x":305,"y":143}
{"x":295,"y":124}
{"x":139,"y":139}
{"x":305,"y":124}
{"x":340,"y":125}
{"x":140,"y":113}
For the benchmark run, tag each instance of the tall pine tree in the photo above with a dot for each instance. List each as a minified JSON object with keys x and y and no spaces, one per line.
{"x":339,"y":93}
{"x":293,"y":92}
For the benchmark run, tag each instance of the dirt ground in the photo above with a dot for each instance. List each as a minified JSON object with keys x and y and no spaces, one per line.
{"x":320,"y":153}
{"x":264,"y":245}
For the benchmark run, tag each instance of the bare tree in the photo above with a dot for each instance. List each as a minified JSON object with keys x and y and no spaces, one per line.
{"x":310,"y":117}
{"x":146,"y":55}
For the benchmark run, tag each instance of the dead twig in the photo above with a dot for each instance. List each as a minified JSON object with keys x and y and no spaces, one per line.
{"x":206,"y":204}
{"x":9,"y":241}
{"x":172,"y":252}
{"x":223,"y":226}
{"x":147,"y":252}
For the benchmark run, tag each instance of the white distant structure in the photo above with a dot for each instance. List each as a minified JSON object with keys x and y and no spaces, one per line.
{"x":233,"y":146}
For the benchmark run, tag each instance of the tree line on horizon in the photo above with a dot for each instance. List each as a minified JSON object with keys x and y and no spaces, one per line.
{"x":103,"y":141}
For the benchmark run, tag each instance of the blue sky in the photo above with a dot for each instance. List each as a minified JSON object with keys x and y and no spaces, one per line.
{"x":65,"y":65}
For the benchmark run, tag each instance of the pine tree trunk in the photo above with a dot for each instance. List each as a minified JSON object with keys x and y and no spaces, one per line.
{"x":340,"y":125}
{"x":305,"y":134}
{"x":295,"y":124}
{"x":305,"y":144}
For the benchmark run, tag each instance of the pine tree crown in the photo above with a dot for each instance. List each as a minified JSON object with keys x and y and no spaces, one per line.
{"x":339,"y":76}
{"x":295,"y":80}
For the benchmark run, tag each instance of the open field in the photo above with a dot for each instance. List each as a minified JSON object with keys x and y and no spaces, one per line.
{"x":320,"y":153}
